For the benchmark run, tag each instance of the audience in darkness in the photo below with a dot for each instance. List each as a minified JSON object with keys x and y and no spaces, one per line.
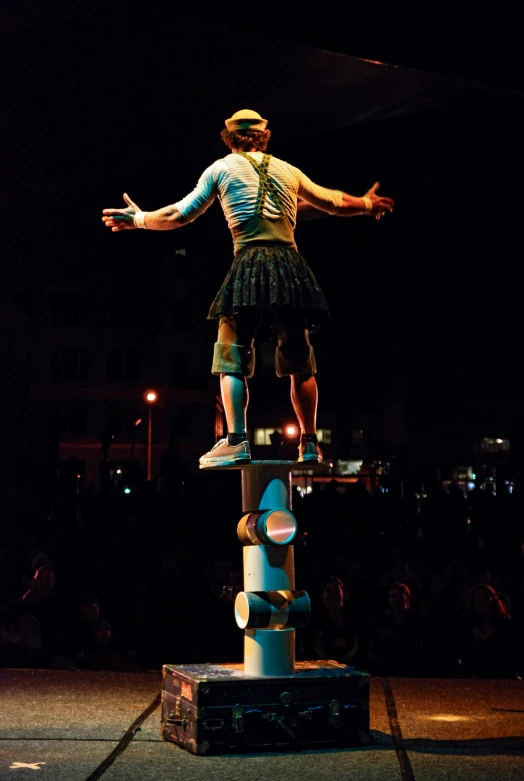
{"x":413,"y":586}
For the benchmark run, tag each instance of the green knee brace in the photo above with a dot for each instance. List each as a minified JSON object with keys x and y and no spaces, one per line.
{"x":233,"y":359}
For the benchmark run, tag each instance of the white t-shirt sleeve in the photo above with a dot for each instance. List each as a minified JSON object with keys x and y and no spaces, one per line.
{"x":321,"y":197}
{"x":201,"y":198}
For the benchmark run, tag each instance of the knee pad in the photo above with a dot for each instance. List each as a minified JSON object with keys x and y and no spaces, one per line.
{"x":295,"y":359}
{"x":233,"y":359}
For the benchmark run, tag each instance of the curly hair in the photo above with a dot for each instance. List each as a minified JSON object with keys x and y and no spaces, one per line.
{"x":246,"y":140}
{"x":500,"y":611}
{"x":404,"y":589}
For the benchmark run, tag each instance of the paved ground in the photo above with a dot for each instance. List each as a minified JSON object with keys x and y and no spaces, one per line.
{"x":71,"y":726}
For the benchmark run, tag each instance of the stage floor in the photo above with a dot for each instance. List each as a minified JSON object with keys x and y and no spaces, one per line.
{"x":82,"y":726}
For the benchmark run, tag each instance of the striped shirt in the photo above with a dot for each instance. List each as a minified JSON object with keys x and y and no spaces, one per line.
{"x":235,"y":182}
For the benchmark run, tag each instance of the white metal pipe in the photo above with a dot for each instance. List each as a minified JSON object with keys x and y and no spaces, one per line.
{"x":272,"y":609}
{"x":266,"y":487}
{"x":269,"y":568}
{"x":269,"y":652}
{"x":267,"y":527}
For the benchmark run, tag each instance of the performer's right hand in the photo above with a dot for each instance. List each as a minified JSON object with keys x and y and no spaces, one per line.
{"x":121,"y":219}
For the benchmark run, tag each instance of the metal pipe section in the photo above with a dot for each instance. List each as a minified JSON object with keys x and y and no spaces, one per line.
{"x":272,"y":609}
{"x":266,"y":487}
{"x":269,"y":652}
{"x":269,"y":568}
{"x":269,"y":527}
{"x":266,"y":530}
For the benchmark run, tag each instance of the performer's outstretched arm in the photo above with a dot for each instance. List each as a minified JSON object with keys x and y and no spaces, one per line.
{"x":374,"y":205}
{"x":165,"y":219}
{"x":370,"y":204}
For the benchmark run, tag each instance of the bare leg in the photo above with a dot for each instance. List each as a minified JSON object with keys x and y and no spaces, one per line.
{"x":304,"y":398}
{"x":289,"y":327}
{"x":235,"y":397}
{"x":233,"y":387}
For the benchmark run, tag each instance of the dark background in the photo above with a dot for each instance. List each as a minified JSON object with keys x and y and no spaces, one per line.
{"x":107,"y":98}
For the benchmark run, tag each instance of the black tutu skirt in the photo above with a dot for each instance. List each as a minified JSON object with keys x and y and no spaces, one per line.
{"x":266,"y":276}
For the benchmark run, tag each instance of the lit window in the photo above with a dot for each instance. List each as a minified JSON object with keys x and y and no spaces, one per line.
{"x":262,"y":436}
{"x":492,"y":445}
{"x":348,"y":467}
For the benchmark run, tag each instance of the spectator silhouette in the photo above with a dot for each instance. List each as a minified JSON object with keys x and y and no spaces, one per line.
{"x":441,"y":628}
{"x":41,"y":600}
{"x":40,"y":586}
{"x":357,"y":592}
{"x":219,"y":586}
{"x":334,"y":636}
{"x":487,"y":647}
{"x":400,"y":574}
{"x":100,"y":651}
{"x":78,"y":631}
{"x":21,"y":645}
{"x":395,"y":644}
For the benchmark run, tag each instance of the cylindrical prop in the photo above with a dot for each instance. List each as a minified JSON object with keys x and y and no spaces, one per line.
{"x":272,"y":609}
{"x":266,"y":487}
{"x":268,"y":527}
{"x":269,"y":652}
{"x":269,"y":568}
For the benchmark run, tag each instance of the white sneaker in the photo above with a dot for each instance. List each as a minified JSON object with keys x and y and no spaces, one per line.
{"x":309,"y":451}
{"x":223,"y":454}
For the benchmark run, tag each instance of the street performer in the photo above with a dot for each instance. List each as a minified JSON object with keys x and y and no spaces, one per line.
{"x":260,"y":196}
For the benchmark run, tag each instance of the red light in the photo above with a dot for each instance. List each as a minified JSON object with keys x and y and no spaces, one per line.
{"x":291,"y":430}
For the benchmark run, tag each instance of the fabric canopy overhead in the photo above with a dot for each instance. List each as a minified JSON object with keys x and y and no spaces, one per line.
{"x":184,"y":75}
{"x":217,"y":70}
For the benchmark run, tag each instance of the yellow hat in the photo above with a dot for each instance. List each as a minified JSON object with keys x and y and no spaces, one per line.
{"x":246,"y":120}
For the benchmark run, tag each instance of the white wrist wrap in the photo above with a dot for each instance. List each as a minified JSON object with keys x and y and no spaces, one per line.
{"x":139,"y":220}
{"x":367,"y":203}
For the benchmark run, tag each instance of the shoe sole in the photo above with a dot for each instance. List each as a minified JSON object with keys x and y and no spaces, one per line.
{"x":313,"y":459}
{"x":225,"y":462}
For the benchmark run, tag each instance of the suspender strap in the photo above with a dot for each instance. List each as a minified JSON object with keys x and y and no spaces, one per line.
{"x":266,"y":185}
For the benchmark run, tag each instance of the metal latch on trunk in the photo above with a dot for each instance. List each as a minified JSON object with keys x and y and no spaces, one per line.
{"x":334,"y":714}
{"x":286,"y":698}
{"x":279,"y":720}
{"x":238,"y":718}
{"x":175,"y":719}
{"x":314,"y":711}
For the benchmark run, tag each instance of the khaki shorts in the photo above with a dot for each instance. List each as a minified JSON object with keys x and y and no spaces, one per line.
{"x":234,"y":349}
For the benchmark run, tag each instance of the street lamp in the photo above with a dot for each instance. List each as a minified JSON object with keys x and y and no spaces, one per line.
{"x":150,"y":398}
{"x":291,"y":430}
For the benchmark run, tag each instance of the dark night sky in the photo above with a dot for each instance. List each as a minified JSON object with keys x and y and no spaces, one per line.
{"x":101,"y":101}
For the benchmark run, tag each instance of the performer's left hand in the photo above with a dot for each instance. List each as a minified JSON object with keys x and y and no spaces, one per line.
{"x":379,"y":203}
{"x":121,"y":219}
